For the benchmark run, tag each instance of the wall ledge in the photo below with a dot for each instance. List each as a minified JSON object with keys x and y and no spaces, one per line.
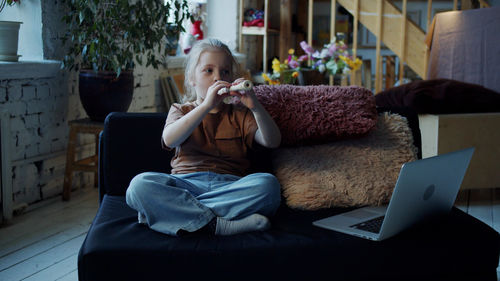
{"x":29,"y":69}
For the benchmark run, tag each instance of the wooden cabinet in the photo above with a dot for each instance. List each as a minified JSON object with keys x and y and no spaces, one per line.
{"x":449,"y":132}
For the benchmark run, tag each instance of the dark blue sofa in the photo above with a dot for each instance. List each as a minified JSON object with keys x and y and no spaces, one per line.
{"x":458,"y":247}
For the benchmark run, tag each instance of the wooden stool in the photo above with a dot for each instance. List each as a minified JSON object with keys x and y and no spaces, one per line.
{"x":89,"y":164}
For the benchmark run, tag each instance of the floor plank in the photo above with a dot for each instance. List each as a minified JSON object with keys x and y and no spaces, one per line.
{"x":72,"y":276}
{"x":43,"y":261}
{"x":49,"y":221}
{"x":41,"y":246}
{"x":496,"y":209}
{"x":481,"y":205}
{"x":44,"y":243}
{"x":61,"y":270}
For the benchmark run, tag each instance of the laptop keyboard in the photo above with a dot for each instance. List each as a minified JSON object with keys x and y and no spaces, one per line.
{"x":372,"y":225}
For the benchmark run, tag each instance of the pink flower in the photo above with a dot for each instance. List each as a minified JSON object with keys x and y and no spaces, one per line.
{"x":308,"y":49}
{"x":303,"y":58}
{"x":293,"y":64}
{"x":332,"y":49}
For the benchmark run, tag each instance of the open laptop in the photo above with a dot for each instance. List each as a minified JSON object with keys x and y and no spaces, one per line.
{"x":425,"y":189}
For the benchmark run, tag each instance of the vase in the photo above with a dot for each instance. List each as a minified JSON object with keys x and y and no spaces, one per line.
{"x":102,"y":92}
{"x":9,"y":40}
{"x":312,"y":77}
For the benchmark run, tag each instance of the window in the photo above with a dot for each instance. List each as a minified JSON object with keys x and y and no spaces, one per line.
{"x":30,"y":34}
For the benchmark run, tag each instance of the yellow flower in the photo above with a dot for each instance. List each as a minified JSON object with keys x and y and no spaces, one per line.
{"x":269,"y":80}
{"x":357,"y":64}
{"x":295,"y":74}
{"x":276,"y":65}
{"x":354,"y":65}
{"x":291,"y":51}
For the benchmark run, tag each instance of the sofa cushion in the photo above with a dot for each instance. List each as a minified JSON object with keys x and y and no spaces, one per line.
{"x":354,"y":172}
{"x":119,"y":248}
{"x":316,"y":114}
{"x":440,"y":96}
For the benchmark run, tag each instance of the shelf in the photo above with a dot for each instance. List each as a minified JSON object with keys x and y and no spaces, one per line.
{"x":255,"y":30}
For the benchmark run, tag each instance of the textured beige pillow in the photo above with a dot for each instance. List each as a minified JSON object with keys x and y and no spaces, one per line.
{"x":355,"y":172}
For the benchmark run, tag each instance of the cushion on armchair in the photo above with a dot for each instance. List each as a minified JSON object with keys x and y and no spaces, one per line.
{"x":440,"y":96}
{"x":345,"y":173}
{"x":316,"y":114}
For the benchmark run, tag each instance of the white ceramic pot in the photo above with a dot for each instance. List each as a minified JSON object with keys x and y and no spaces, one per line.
{"x":9,"y":39}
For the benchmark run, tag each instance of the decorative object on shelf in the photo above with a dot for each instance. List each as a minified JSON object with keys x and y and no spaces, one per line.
{"x":9,"y":35}
{"x":110,"y":37}
{"x":254,"y":17}
{"x":194,"y":27}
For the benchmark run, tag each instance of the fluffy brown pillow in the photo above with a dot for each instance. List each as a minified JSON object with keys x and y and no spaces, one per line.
{"x":353,"y":172}
{"x":318,"y":114}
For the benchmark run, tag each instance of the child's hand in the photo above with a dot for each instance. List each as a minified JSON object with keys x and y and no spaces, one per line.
{"x":247,"y":98}
{"x":212,"y":98}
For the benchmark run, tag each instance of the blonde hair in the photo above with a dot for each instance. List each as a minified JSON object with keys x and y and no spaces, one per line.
{"x":193,"y":57}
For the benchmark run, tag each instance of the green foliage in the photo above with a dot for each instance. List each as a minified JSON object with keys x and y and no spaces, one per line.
{"x":113,"y":35}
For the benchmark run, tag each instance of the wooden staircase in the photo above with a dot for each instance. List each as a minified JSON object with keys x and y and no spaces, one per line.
{"x":398,"y":33}
{"x":409,"y":45}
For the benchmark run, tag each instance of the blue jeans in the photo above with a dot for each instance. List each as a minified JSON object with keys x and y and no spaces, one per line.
{"x":170,"y":203}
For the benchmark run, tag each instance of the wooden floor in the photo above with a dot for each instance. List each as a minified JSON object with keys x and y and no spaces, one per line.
{"x":43,"y":244}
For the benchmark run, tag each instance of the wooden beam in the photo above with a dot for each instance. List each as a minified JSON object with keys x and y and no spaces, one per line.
{"x":240,"y":42}
{"x":466,"y":5}
{"x":455,"y":5}
{"x":415,"y":42}
{"x":310,"y":8}
{"x":402,"y":58}
{"x":355,"y":40}
{"x":333,"y":21}
{"x":378,"y":64}
{"x":429,"y":14}
{"x":390,"y":71}
{"x":266,"y":28}
{"x":333,"y":18}
{"x":355,"y":28}
{"x":285,"y":36}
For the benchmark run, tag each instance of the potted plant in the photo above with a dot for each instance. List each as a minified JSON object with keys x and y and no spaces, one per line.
{"x":9,"y":35}
{"x":106,"y":39}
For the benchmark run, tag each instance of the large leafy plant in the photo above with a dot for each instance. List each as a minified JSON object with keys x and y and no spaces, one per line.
{"x":113,"y":35}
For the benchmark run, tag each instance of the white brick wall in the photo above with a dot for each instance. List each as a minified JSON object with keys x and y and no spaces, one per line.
{"x":40,"y":109}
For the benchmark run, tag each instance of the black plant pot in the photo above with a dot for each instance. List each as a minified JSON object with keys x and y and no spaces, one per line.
{"x":102,"y":93}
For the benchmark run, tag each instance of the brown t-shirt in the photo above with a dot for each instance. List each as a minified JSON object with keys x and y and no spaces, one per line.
{"x":219,"y":144}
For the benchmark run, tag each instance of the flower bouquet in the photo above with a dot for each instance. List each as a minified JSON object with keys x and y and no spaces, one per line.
{"x":332,"y":59}
{"x":286,"y":72}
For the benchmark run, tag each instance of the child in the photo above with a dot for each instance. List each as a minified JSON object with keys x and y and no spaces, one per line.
{"x":209,"y":189}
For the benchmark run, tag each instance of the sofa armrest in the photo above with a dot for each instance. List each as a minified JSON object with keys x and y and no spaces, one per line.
{"x":130,"y":144}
